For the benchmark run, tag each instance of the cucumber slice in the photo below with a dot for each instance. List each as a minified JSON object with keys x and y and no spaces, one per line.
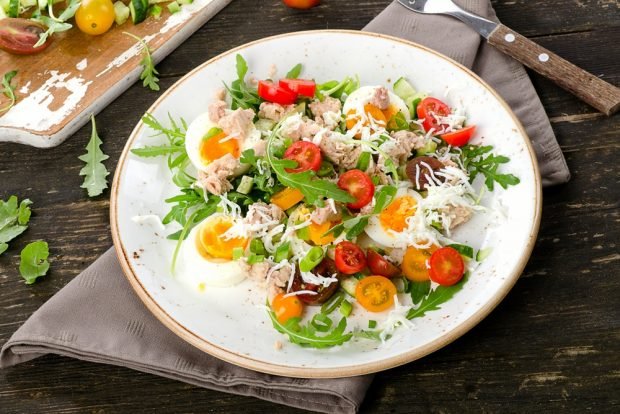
{"x":121,"y":12}
{"x":300,"y":108}
{"x":403,"y":89}
{"x":463,"y":249}
{"x":483,"y":253}
{"x":138,"y":10}
{"x":429,"y":147}
{"x":264,"y":124}
{"x":185,"y":1}
{"x":155,"y":11}
{"x":246,"y":184}
{"x":174,"y":7}
{"x":413,"y":101}
{"x":349,"y":284}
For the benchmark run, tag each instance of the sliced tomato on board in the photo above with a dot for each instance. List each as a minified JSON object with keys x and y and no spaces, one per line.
{"x":302,"y":87}
{"x":18,"y":36}
{"x":349,"y":258}
{"x":271,"y":92}
{"x":301,"y":4}
{"x":307,"y":155}
{"x":446,"y":266}
{"x":459,"y":137}
{"x":359,"y":185}
{"x":428,"y":110}
{"x":378,"y":265}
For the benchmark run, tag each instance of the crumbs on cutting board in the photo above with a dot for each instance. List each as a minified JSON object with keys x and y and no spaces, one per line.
{"x":82,"y":64}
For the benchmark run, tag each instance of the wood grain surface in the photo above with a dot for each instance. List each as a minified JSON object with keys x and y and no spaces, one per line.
{"x":553,"y":345}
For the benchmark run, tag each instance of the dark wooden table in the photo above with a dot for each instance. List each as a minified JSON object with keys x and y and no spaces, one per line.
{"x":552,"y":345}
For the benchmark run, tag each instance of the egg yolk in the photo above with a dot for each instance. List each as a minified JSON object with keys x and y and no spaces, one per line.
{"x":394,"y":217}
{"x":380,"y":117}
{"x":211,"y":244}
{"x":217,"y":146}
{"x":316,"y":232}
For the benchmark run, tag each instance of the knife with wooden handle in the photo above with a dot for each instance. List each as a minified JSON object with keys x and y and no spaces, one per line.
{"x":594,"y":91}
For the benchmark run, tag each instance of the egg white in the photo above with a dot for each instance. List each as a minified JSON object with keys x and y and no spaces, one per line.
{"x":197,"y":272}
{"x":363,"y":95}
{"x":389,"y":238}
{"x":199,"y":128}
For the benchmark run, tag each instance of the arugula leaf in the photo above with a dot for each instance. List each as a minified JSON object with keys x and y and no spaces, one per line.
{"x":314,"y":189}
{"x":8,"y":89}
{"x":55,"y":24}
{"x":419,"y":290}
{"x":479,"y":160}
{"x":306,"y":335}
{"x":3,"y":247}
{"x":33,"y":261}
{"x":241,"y":94}
{"x":155,"y":150}
{"x":149,"y":73}
{"x":13,"y":220}
{"x":294,"y":72}
{"x":435,"y":298}
{"x":94,"y":171}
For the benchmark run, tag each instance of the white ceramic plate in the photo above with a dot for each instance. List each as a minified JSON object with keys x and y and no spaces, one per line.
{"x":229,"y":323}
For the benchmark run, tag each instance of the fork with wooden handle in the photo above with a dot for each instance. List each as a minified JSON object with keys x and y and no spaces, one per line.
{"x":594,"y":91}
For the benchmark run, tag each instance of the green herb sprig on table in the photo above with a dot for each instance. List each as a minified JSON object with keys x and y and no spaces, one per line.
{"x":14,"y":218}
{"x":8,"y":89}
{"x":94,"y":171}
{"x":480,"y":160}
{"x":149,"y":73}
{"x":33,"y":261}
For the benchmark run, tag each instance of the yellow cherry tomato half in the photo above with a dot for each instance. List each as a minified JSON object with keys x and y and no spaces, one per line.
{"x":414,"y":264}
{"x":375,"y":293}
{"x":95,"y":17}
{"x":286,"y":308}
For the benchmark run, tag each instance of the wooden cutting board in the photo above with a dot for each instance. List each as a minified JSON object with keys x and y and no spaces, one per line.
{"x":78,"y":75}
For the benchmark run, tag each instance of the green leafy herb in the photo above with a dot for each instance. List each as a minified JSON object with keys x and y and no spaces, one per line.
{"x":55,"y":24}
{"x":479,"y":160}
{"x":435,"y":298}
{"x":398,"y":122}
{"x":149,"y":73}
{"x":306,"y":335}
{"x":337,"y":89}
{"x":294,"y":72}
{"x":241,"y":94}
{"x":14,"y":219}
{"x":419,"y":290}
{"x":9,"y":90}
{"x":33,"y":263}
{"x":94,"y":171}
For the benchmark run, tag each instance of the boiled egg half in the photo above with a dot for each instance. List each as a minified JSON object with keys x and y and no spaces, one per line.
{"x":385,"y":227}
{"x":358,"y":106}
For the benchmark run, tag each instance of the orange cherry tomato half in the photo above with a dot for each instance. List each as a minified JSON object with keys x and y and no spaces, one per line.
{"x":375,"y":293}
{"x":359,"y":185}
{"x":302,"y":87}
{"x":349,"y":258}
{"x":307,"y":155}
{"x":301,"y":4}
{"x":286,"y":308}
{"x":459,"y":137}
{"x":428,"y":110}
{"x":414,"y":264}
{"x":378,"y":265}
{"x":95,"y":17}
{"x":274,"y":93}
{"x":447,"y":267}
{"x":18,"y":36}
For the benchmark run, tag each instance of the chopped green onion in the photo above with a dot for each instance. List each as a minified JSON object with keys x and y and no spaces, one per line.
{"x":257,"y":247}
{"x":321,"y":322}
{"x":363,"y":161}
{"x":312,"y":259}
{"x":333,"y":303}
{"x":237,"y":253}
{"x":346,"y":308}
{"x":327,"y":168}
{"x":372,"y":324}
{"x":303,"y":233}
{"x":282,"y":252}
{"x":255,"y":258}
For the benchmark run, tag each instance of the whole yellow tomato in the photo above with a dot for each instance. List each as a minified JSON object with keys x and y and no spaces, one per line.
{"x":95,"y":17}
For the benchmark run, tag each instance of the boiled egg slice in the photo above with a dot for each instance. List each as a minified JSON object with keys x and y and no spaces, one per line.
{"x":385,"y":227}
{"x":358,"y":107}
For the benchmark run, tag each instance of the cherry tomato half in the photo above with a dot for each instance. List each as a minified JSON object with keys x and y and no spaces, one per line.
{"x":274,"y":93}
{"x":378,"y":265}
{"x":95,"y":17}
{"x":414,"y":263}
{"x":302,"y":87}
{"x":286,"y":308}
{"x":447,"y":266}
{"x":429,"y":109}
{"x":307,"y":155}
{"x":375,"y":293}
{"x":327,"y":268}
{"x":18,"y":36}
{"x":349,"y":258}
{"x":459,"y":137}
{"x":359,"y":185}
{"x":301,"y":4}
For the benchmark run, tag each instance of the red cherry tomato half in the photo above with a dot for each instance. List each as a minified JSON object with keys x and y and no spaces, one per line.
{"x":307,"y":155}
{"x":301,"y":4}
{"x":379,"y":266}
{"x":19,"y":36}
{"x":460,"y":137}
{"x":302,"y":87}
{"x":446,"y":266}
{"x":359,"y":185}
{"x":273,"y":93}
{"x":349,"y":258}
{"x":429,"y":107}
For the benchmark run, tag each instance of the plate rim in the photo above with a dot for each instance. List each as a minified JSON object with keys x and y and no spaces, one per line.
{"x":308,"y":372}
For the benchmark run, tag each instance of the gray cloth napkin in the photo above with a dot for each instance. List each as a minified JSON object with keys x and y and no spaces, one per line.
{"x":97,"y":317}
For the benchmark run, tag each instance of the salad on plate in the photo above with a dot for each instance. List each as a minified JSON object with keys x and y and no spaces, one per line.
{"x":337,"y":199}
